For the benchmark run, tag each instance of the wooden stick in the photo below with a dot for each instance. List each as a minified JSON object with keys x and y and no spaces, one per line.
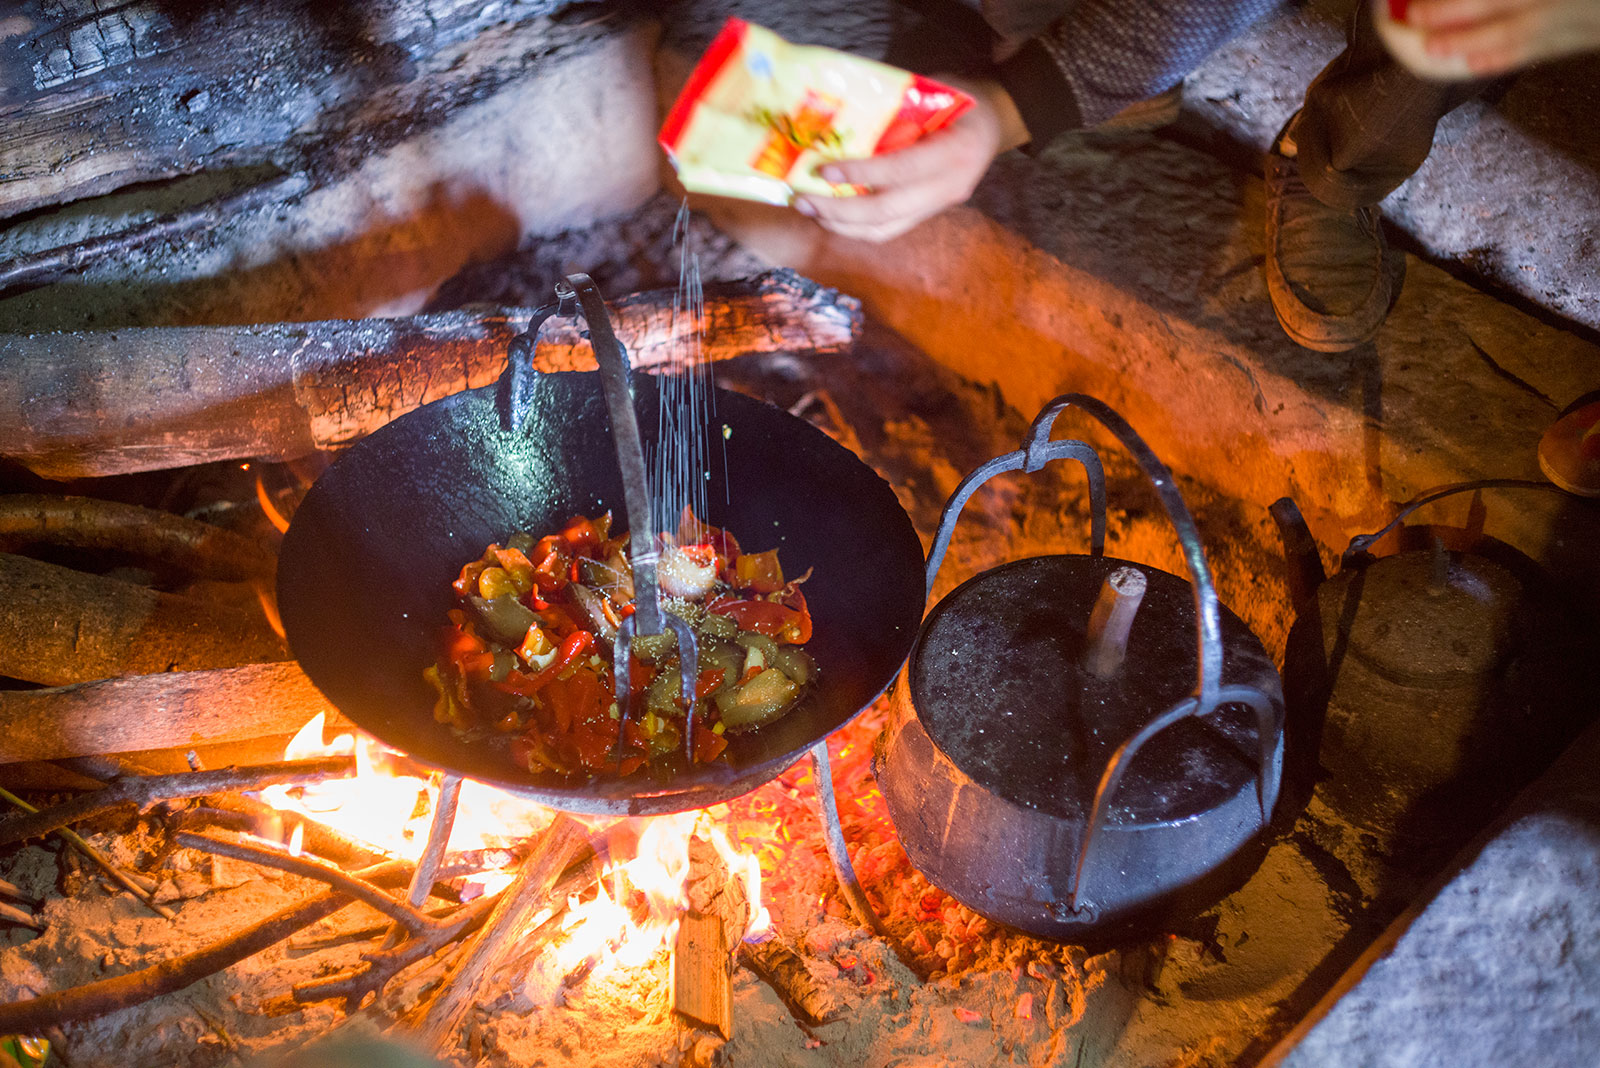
{"x":188,"y":395}
{"x":265,"y":821}
{"x":12,"y":914}
{"x":148,"y":790}
{"x":102,"y":861}
{"x":312,"y":868}
{"x":168,"y":710}
{"x":434,"y":1023}
{"x":119,"y":992}
{"x":1111,"y":620}
{"x":708,"y":930}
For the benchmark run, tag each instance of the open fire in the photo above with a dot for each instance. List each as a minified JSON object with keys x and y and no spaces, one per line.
{"x":633,"y":912}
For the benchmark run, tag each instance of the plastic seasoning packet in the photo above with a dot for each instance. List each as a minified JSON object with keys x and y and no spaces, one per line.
{"x":759,"y":115}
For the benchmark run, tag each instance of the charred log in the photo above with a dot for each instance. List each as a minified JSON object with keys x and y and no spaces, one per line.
{"x":89,"y":403}
{"x":100,"y":96}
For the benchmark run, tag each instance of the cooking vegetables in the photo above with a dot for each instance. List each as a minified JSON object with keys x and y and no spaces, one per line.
{"x":526,"y":654}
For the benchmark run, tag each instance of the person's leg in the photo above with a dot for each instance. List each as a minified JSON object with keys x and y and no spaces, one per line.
{"x":1367,"y":123}
{"x":1366,"y":126}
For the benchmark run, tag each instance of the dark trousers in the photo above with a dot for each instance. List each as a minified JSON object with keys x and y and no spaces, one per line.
{"x":1368,"y":122}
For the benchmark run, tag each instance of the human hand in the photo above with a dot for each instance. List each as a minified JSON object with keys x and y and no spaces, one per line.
{"x":1492,"y":37}
{"x":922,"y":179}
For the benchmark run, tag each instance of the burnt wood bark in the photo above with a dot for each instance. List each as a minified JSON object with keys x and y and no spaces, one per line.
{"x":96,"y":96}
{"x":100,"y":403}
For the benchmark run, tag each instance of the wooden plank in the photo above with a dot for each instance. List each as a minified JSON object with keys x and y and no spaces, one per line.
{"x":92,"y":403}
{"x":173,"y":711}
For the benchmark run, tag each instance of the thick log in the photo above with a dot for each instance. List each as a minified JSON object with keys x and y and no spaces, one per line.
{"x":100,"y":403}
{"x":185,"y":548}
{"x":172,"y":711}
{"x":96,"y":96}
{"x":60,"y":626}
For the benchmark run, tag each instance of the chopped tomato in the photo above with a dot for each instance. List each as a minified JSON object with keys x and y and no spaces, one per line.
{"x":581,"y":536}
{"x":707,"y":682}
{"x":786,"y":619}
{"x":552,"y":568}
{"x":575,"y":699}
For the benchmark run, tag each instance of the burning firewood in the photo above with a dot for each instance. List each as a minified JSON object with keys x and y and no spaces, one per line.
{"x":708,"y":930}
{"x":189,"y":395}
{"x":433,"y":1023}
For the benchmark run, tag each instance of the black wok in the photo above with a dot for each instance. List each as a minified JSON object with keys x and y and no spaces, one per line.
{"x":365,"y":569}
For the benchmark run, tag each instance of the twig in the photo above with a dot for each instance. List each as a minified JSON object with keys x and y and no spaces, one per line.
{"x":444,"y":820}
{"x":384,"y":964}
{"x":119,"y":992}
{"x":309,"y":868}
{"x":14,"y":892}
{"x":150,"y":789}
{"x":13,"y":914}
{"x":233,"y":810}
{"x":434,"y":1023}
{"x":76,"y":841}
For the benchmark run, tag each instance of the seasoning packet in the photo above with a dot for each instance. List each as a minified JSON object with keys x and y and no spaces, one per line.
{"x":759,"y":115}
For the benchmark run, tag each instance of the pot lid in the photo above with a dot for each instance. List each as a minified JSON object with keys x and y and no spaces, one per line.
{"x":1425,"y":618}
{"x":996,"y":679}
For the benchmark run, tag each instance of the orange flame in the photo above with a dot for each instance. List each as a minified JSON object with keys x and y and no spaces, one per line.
{"x":631,"y":918}
{"x":269,"y":507}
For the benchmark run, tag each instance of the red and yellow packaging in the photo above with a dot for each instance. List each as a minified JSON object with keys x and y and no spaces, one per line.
{"x":759,"y":115}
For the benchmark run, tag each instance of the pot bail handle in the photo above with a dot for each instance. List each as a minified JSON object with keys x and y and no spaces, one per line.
{"x":1038,"y":449}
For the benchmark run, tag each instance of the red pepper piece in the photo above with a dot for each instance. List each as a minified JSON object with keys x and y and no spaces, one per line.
{"x":572,"y":647}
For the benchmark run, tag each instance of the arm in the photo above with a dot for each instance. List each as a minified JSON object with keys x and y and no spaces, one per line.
{"x":1497,"y":36}
{"x":923,"y":179}
{"x":1100,"y":57}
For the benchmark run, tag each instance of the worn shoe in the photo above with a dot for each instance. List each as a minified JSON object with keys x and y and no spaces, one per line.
{"x":1569,"y":452}
{"x":1331,"y":276}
